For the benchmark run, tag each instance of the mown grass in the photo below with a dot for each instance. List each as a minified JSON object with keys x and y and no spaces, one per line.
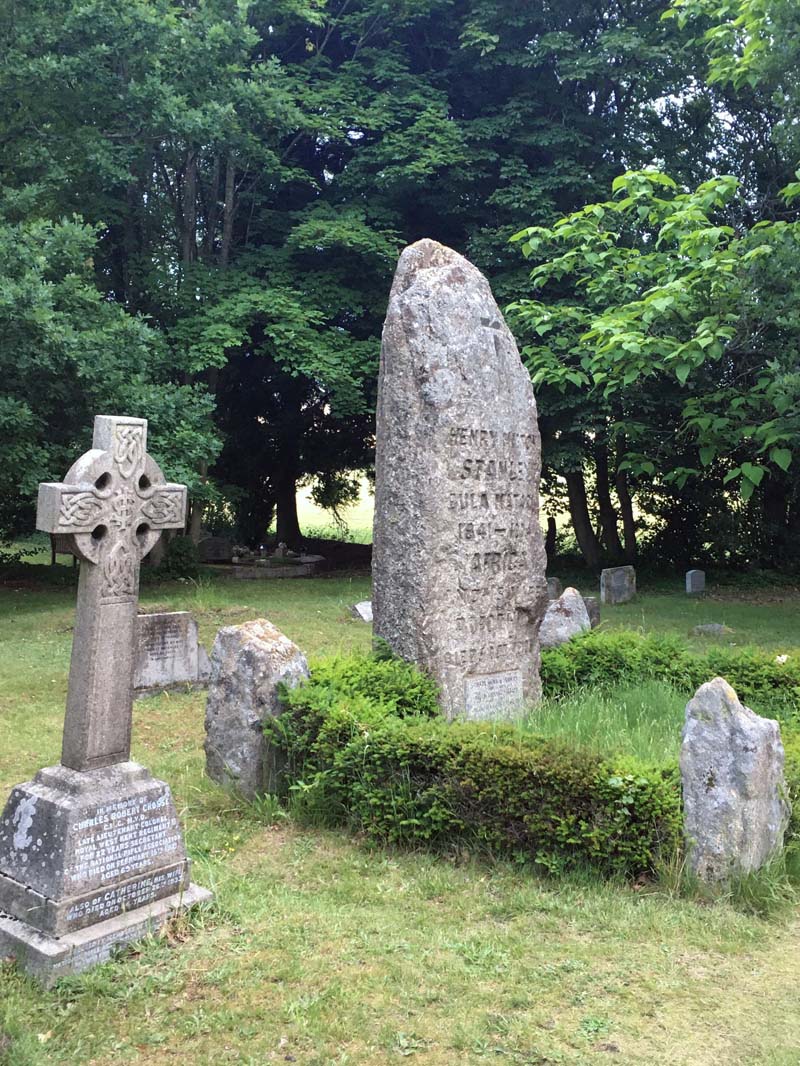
{"x":321,"y":950}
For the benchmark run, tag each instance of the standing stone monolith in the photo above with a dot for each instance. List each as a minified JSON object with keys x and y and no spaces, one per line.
{"x":91,"y":851}
{"x":249,"y":663}
{"x":734,"y":793}
{"x":458,"y":557}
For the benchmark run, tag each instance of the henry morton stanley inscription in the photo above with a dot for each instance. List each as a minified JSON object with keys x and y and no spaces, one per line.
{"x":459,"y":561}
{"x":91,"y":851}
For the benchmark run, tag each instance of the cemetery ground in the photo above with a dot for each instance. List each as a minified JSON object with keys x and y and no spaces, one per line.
{"x":321,"y":949}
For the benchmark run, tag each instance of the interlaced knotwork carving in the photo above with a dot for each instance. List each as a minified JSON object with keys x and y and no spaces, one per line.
{"x":128,"y":449}
{"x":79,"y":509}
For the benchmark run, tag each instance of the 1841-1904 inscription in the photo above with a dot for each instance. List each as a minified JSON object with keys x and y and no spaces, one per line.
{"x":458,"y":563}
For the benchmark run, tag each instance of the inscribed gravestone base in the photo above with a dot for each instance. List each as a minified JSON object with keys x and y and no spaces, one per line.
{"x":91,"y":852}
{"x":458,"y":556}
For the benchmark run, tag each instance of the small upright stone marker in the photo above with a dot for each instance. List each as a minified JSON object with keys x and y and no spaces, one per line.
{"x":734,"y":792}
{"x":695,"y":582}
{"x":91,"y":851}
{"x":554,"y":588}
{"x":617,"y":584}
{"x":458,"y":556}
{"x":565,"y":618}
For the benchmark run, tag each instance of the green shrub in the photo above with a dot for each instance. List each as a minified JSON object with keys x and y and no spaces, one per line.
{"x":602,"y":659}
{"x":181,"y":559}
{"x":362,"y":742}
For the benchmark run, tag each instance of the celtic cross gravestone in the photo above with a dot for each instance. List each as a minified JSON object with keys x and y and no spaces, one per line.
{"x":91,"y":851}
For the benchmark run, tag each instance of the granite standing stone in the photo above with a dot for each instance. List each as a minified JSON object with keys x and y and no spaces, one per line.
{"x":695,"y":582}
{"x":734,"y":793}
{"x":617,"y":584}
{"x":91,"y":851}
{"x":248,"y":664}
{"x":458,"y":557}
{"x":564,"y":619}
{"x":169,"y":654}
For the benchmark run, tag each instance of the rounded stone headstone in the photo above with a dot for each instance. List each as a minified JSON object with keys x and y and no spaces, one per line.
{"x":458,"y":558}
{"x":564,"y":619}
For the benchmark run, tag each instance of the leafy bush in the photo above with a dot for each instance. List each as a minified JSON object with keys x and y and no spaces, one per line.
{"x":600,"y":658}
{"x":181,"y":559}
{"x":363,"y":739}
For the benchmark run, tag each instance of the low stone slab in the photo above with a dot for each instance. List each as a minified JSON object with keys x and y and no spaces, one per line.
{"x":734,"y":792}
{"x":363,"y":611}
{"x":695,"y":582}
{"x":712,"y":629}
{"x":248,"y":664}
{"x":564,"y":619}
{"x":617,"y":584}
{"x":169,"y":654}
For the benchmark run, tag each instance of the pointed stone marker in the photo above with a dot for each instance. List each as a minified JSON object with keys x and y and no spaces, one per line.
{"x":91,"y":851}
{"x":458,"y":557}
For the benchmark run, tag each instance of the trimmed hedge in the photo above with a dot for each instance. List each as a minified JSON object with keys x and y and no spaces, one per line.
{"x":389,"y":766}
{"x":600,"y":658}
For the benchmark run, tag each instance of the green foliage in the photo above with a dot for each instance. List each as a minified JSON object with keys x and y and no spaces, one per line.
{"x":66,"y":354}
{"x":363,"y":745}
{"x":181,"y":559}
{"x":598,"y":658}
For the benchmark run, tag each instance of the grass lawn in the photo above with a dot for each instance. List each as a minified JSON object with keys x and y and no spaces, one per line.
{"x":321,"y":950}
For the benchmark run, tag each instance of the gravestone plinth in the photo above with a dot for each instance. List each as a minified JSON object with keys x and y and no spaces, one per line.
{"x":458,"y":557}
{"x":695,"y":582}
{"x":617,"y":584}
{"x":91,"y":851}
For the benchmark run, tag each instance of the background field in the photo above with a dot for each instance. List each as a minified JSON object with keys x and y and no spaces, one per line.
{"x":322,"y":950}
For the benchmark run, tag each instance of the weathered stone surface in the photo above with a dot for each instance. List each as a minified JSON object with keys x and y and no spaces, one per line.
{"x":77,"y":848}
{"x":248,"y":662}
{"x":592,"y":605}
{"x":168,"y":653}
{"x":47,"y":958}
{"x":458,"y":556}
{"x":215,"y":550}
{"x":554,"y":588}
{"x":695,"y":582}
{"x":564,"y":619}
{"x":96,"y":839}
{"x":617,"y":584}
{"x":363,"y":611}
{"x":712,"y":629}
{"x":734,"y":793}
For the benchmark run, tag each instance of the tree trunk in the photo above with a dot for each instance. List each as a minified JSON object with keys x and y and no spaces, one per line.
{"x":550,"y":539}
{"x":227,"y":213}
{"x":608,"y":516}
{"x":287,"y":523}
{"x":581,"y":520}
{"x":189,"y":235}
{"x":626,"y":510}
